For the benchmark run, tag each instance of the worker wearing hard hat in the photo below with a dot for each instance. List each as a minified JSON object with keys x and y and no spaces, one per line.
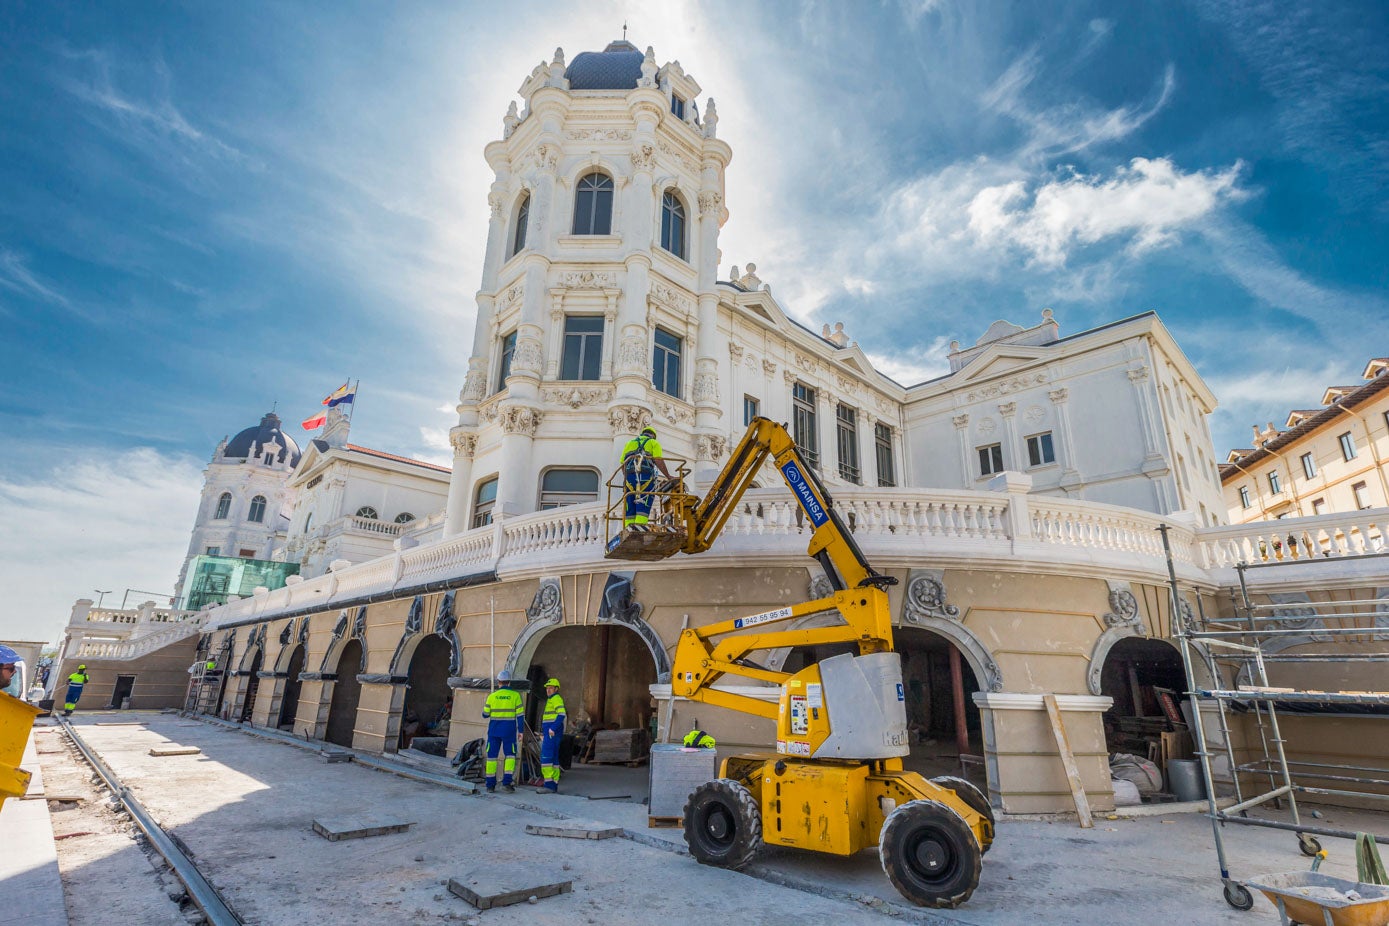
{"x":641,"y":457}
{"x":551,"y":732}
{"x":76,"y":681}
{"x":698,"y":739}
{"x":10,"y":680}
{"x":502,"y":711}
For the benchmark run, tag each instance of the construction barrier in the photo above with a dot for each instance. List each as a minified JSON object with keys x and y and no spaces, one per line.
{"x":16,"y":720}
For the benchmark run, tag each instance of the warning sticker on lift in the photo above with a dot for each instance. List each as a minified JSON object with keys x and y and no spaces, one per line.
{"x":763,"y":618}
{"x":815,"y":692}
{"x":800,"y":715}
{"x":900,"y":695}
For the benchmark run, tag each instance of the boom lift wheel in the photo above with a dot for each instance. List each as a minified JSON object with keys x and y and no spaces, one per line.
{"x":971,"y":795}
{"x":929,"y":854}
{"x":723,"y":824}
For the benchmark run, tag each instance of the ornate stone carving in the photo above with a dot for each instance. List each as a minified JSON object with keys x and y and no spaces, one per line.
{"x":577,"y":398}
{"x":588,"y":279}
{"x":1008,"y":409}
{"x":489,"y":412}
{"x":1034,"y":414}
{"x":520,"y":419}
{"x":464,"y":443}
{"x":1294,"y":618}
{"x":414,"y":621}
{"x":286,"y":633}
{"x":709,"y":202}
{"x":1016,"y":384}
{"x":359,"y":623}
{"x":510,"y":121}
{"x":960,"y":422}
{"x":1058,"y":396}
{"x":1123,"y":607}
{"x":706,"y":388}
{"x":643,"y":156}
{"x":1185,"y":614}
{"x":807,"y":363}
{"x":303,"y":630}
{"x":845,"y":384}
{"x":671,"y":297}
{"x":735,"y":352}
{"x":546,"y":157}
{"x":474,"y":388}
{"x":926,"y":597}
{"x":768,"y":367}
{"x":548,"y":603}
{"x":710,"y":447}
{"x":527,"y":357}
{"x":511,"y":297}
{"x":628,"y":419}
{"x":789,"y":377}
{"x":986,"y":426}
{"x":675,"y":414}
{"x":598,"y":135}
{"x":631,"y":354}
{"x":678,"y":156}
{"x":711,"y":119}
{"x":1138,"y":374}
{"x":496,"y":203}
{"x":820,"y":587}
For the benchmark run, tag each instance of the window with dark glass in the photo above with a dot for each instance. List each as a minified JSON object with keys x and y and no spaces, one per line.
{"x":1275,"y":486}
{"x":257,"y":512}
{"x":751,"y":409}
{"x":483,"y":500}
{"x":990,"y":459}
{"x":368,"y":512}
{"x":1309,"y":465}
{"x":560,"y":487}
{"x":1244,"y":499}
{"x":665,"y":363}
{"x":1347,"y":446}
{"x":518,"y":236}
{"x":1039,"y":450}
{"x":1318,"y":506}
{"x":404,"y":517}
{"x":508,"y":350}
{"x":223,"y":505}
{"x":593,"y":205}
{"x":583,"y":347}
{"x":803,"y":425}
{"x":214,"y":551}
{"x":673,"y":224}
{"x":846,"y":442}
{"x":882,"y":443}
{"x":677,"y":106}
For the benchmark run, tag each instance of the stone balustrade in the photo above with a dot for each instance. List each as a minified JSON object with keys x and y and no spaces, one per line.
{"x":1326,"y":536}
{"x":148,"y":643}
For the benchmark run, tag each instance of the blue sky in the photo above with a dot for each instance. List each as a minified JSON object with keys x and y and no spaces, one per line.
{"x":211,"y":208}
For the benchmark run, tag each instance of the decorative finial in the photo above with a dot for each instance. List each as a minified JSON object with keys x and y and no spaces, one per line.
{"x":624,"y":30}
{"x":648,"y":68}
{"x":711,"y":119}
{"x":559,"y":57}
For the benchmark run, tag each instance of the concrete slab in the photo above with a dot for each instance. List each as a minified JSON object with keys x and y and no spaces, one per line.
{"x":335,"y":755}
{"x":336,"y":828}
{"x":486,"y":888}
{"x":574,"y":829}
{"x":29,"y":866}
{"x":161,"y":751}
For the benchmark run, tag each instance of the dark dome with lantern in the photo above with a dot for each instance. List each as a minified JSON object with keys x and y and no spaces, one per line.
{"x":617,"y":67}
{"x":266,"y":438}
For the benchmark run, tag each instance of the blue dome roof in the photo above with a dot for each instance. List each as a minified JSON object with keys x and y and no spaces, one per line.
{"x":266,"y":438}
{"x":617,"y":67}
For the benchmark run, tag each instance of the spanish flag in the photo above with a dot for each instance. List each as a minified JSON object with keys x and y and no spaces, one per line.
{"x":315,"y":421}
{"x":343,"y":395}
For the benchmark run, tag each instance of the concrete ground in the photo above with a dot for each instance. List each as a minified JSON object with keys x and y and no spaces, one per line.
{"x":245,"y":807}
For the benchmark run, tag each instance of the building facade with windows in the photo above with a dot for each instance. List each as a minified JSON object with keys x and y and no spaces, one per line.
{"x":1326,"y":460}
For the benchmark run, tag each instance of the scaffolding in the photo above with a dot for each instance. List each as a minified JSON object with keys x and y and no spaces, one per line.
{"x":1243,"y":646}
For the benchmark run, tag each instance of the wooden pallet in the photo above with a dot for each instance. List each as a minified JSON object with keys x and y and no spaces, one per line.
{"x":656,"y":823}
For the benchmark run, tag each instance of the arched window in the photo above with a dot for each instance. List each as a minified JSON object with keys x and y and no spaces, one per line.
{"x":404,"y":517}
{"x":673,"y":224}
{"x":593,"y":205}
{"x":518,"y":236}
{"x":483,"y":501}
{"x":567,"y":487}
{"x":257,"y":512}
{"x":368,"y":512}
{"x":223,"y":505}
{"x":308,"y":521}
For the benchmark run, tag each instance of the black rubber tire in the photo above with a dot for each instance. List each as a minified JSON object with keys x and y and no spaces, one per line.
{"x":1238,"y":896}
{"x":929,"y":854}
{"x":968,"y":792}
{"x":1308,"y":845}
{"x":723,"y":824}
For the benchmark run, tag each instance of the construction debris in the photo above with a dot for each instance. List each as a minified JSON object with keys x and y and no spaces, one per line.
{"x":161,"y":751}
{"x":336,"y":828}
{"x":486,"y":888}
{"x":574,"y":829}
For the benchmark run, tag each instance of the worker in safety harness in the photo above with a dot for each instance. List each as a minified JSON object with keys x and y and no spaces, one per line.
{"x":551,"y":731}
{"x":698,"y":739}
{"x":641,"y":458}
{"x":502,"y":711}
{"x":75,"y":683}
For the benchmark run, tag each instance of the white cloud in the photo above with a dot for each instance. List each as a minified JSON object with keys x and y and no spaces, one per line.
{"x":914,"y":365}
{"x":117,"y":523}
{"x":16,"y":276}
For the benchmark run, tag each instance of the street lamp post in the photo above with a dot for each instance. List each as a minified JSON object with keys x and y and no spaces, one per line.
{"x":103,"y":596}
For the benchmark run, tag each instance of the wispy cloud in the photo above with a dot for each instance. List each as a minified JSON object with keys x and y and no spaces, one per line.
{"x":16,"y":277}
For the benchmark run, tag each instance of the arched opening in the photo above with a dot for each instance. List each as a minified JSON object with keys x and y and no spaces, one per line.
{"x":252,"y":688}
{"x":942,"y":720}
{"x":1146,"y":678}
{"x":289,"y":704}
{"x":428,"y":698}
{"x":347,"y":691}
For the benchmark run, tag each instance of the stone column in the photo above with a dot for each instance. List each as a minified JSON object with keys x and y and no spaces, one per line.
{"x":961,"y":423}
{"x":464,"y":443}
{"x":705,"y":394}
{"x":1071,"y":479}
{"x":515,"y":486}
{"x":1022,"y":760}
{"x":1015,"y":453}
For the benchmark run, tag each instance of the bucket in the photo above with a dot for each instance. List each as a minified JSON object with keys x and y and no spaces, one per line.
{"x":1184,"y":779}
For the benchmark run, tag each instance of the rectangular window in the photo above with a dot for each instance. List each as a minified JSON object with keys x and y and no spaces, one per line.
{"x":803,"y":425}
{"x":484,"y":501}
{"x":1244,"y":497}
{"x":247,"y":554}
{"x":751,"y":409}
{"x":583,"y":347}
{"x":1362,"y":495}
{"x":990,"y":459}
{"x":1318,"y":506}
{"x":1275,"y":487}
{"x":846,"y":433}
{"x":887,"y":469}
{"x":1309,"y":465}
{"x":1347,"y":446}
{"x":665,"y":363}
{"x":508,"y":349}
{"x":1039,"y":450}
{"x":214,"y":551}
{"x":677,"y":106}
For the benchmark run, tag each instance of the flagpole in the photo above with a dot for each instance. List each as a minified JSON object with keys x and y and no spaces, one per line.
{"x":354,"y":401}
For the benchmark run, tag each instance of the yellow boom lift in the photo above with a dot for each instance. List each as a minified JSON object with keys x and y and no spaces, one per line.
{"x":836,"y":782}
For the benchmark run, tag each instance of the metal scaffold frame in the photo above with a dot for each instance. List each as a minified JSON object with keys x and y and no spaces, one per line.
{"x":1239,"y":644}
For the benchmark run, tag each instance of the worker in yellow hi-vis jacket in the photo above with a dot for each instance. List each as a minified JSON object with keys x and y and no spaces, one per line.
{"x":502,"y":711}
{"x":551,"y":732}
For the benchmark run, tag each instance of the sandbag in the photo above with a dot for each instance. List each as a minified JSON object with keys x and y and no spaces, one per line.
{"x":1125,"y":793}
{"x":1141,"y":772}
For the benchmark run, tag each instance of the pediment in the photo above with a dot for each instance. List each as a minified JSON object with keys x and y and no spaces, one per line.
{"x":1000,"y":361}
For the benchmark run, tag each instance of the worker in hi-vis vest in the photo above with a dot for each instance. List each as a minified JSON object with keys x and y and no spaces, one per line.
{"x":502,"y":711}
{"x":75,"y":683}
{"x":641,"y":458}
{"x":698,"y":739}
{"x":551,"y":732}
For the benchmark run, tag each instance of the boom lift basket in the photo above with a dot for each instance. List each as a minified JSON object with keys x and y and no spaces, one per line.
{"x":660,"y":537}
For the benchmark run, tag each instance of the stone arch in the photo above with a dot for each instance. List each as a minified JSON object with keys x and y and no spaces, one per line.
{"x":414,"y":633}
{"x":975,"y":653}
{"x":346,"y":629}
{"x":345,"y":697}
